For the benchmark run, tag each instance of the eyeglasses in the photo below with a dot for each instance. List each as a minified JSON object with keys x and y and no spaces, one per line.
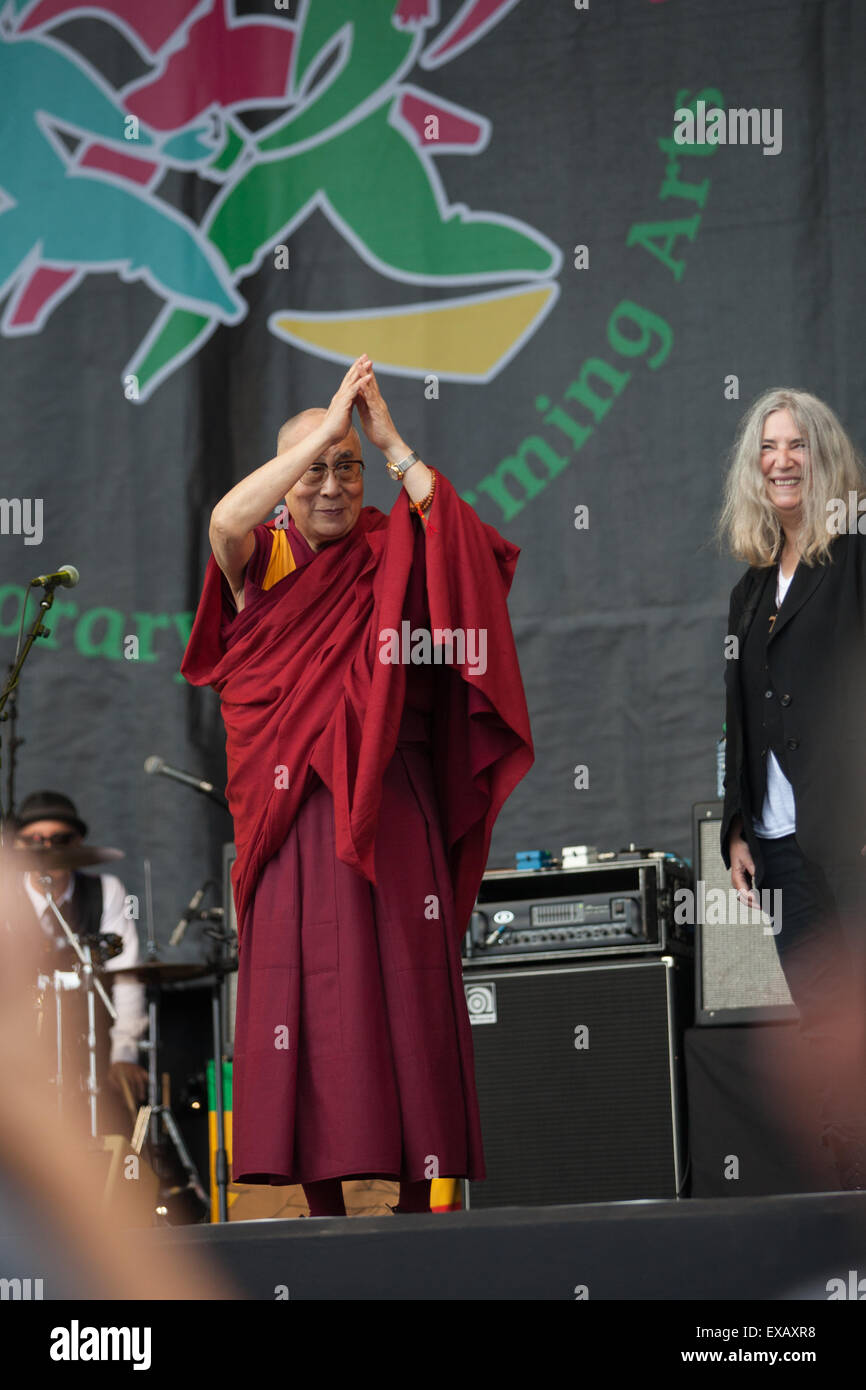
{"x":346,"y":471}
{"x":63,"y":837}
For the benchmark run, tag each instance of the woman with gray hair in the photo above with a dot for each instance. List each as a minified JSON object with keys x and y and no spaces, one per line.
{"x":795,"y":770}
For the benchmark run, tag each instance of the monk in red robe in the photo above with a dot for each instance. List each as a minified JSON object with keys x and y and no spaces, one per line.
{"x":375,"y":724}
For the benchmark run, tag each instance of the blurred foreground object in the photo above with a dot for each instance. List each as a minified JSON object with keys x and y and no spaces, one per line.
{"x":52,"y":1197}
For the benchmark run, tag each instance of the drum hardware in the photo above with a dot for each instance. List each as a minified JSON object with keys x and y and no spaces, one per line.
{"x":59,"y":982}
{"x":220,"y":965}
{"x":84,"y":951}
{"x":139,"y":1133}
{"x":43,"y":983}
{"x":91,"y":952}
{"x":220,"y":968}
{"x":104,"y":946}
{"x":156,"y":1118}
{"x":160,"y":1117}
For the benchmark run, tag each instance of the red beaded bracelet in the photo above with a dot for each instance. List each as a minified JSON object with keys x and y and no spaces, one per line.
{"x":422,"y":506}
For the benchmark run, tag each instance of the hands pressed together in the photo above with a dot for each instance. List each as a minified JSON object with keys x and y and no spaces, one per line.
{"x":359,"y":389}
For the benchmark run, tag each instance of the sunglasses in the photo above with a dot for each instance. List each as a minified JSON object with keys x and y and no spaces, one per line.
{"x":63,"y":837}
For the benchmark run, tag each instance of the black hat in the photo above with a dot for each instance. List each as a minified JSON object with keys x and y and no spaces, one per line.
{"x":49,"y":806}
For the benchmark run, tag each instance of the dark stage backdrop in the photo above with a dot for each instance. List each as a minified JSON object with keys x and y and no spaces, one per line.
{"x":208,"y":209}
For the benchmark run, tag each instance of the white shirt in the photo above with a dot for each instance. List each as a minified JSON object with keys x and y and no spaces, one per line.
{"x":778,"y":815}
{"x":127,"y":996}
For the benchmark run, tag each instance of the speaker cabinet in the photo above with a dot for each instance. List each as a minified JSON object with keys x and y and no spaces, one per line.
{"x":752,"y":1105}
{"x":738,"y":975}
{"x":578,"y":1076}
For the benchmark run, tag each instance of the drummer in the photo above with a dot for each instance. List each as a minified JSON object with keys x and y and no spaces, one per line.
{"x":91,"y":904}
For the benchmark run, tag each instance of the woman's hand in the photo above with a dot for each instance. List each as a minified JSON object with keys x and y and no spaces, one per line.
{"x":338,"y":417}
{"x":375,"y":416}
{"x":742,"y":865}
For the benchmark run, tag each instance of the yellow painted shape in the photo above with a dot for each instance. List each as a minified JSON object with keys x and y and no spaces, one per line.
{"x":466,"y":338}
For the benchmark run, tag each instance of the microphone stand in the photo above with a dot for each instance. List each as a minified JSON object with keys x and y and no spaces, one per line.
{"x":37,"y":629}
{"x":14,"y":744}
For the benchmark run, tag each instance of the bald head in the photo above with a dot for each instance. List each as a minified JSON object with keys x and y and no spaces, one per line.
{"x":303,"y":423}
{"x":299,"y":425}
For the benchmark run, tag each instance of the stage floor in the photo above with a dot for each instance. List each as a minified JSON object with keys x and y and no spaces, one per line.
{"x":750,"y":1248}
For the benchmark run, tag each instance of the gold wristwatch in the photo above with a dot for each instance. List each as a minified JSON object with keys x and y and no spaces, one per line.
{"x":398,"y":469}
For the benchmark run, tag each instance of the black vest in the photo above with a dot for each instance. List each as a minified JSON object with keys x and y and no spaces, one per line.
{"x":83,"y":912}
{"x":762,"y":712}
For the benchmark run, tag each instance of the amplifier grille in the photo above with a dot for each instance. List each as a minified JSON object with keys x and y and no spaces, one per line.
{"x":739,"y":964}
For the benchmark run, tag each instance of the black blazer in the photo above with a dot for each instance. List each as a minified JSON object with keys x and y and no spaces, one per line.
{"x":816,"y":655}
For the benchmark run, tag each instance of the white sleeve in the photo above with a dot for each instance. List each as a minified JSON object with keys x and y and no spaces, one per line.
{"x":128,"y":996}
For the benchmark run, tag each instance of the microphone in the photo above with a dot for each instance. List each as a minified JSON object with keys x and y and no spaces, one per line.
{"x":156,"y":764}
{"x":192,"y":908}
{"x":67,"y":576}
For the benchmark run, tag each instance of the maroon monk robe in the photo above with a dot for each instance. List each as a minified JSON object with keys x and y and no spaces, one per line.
{"x":364,"y":795}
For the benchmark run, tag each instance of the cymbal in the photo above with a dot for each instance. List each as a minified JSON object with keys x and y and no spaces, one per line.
{"x":157,"y":971}
{"x":64,"y":857}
